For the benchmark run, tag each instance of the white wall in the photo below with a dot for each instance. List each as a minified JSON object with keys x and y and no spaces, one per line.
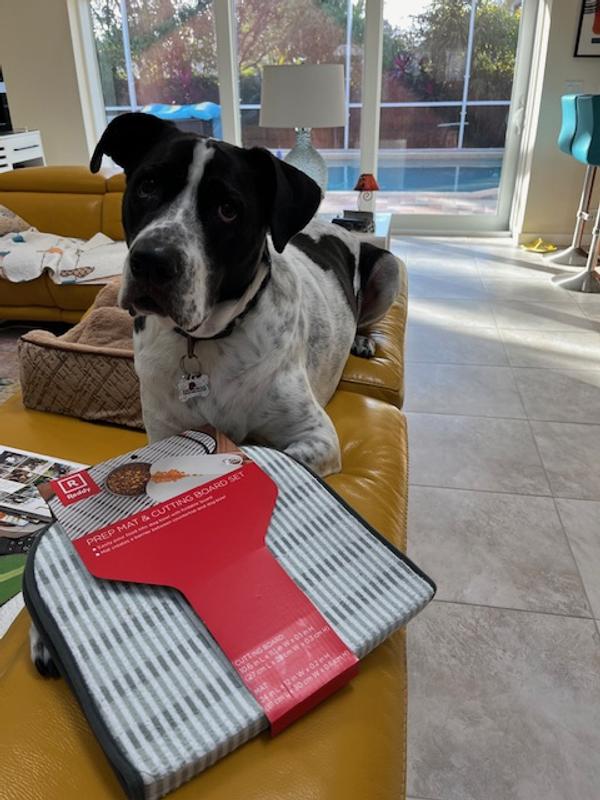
{"x":555,"y":180}
{"x":36,"y":55}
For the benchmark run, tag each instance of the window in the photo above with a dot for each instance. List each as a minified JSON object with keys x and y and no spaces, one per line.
{"x":448,"y":69}
{"x":156,"y":52}
{"x":297,"y":31}
{"x":446,"y":83}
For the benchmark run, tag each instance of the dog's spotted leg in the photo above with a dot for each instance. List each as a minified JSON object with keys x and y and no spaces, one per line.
{"x":318,"y":453}
{"x":303,"y":430}
{"x":379,"y":283}
{"x":40,"y":655}
{"x":363,"y":346}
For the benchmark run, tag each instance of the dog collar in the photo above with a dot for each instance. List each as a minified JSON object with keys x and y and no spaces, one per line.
{"x":231,"y":325}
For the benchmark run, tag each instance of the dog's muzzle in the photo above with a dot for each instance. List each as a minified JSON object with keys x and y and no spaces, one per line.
{"x":155,"y":268}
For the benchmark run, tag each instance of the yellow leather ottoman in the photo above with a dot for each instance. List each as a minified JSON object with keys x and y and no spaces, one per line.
{"x":350,"y":748}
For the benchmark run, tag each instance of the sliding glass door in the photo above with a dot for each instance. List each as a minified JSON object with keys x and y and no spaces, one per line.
{"x":446,"y":155}
{"x":295,"y":32}
{"x":448,"y":73}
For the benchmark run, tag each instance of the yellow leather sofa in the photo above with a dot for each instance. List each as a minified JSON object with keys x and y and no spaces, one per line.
{"x":353,"y":746}
{"x":70,"y":201}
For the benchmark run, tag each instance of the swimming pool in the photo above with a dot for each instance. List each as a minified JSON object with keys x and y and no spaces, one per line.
{"x":421,"y":175}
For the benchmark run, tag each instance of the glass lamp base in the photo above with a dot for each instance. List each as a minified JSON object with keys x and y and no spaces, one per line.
{"x":304,"y":157}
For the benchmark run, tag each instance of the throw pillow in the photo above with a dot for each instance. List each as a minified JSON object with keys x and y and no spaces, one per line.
{"x":11,"y":222}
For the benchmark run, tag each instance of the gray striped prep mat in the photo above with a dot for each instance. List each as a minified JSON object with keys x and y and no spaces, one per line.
{"x":158,"y":692}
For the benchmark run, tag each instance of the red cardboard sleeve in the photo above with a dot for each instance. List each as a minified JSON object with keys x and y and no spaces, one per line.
{"x":209,"y":542}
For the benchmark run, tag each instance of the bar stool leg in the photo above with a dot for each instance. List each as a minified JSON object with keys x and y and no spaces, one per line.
{"x":588,"y":280}
{"x":575,"y":255}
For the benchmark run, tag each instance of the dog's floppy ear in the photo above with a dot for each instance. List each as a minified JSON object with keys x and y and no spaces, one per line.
{"x":128,"y":138}
{"x":292,"y":197}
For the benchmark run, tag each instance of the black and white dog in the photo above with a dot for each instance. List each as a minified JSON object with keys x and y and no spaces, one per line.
{"x":245,"y":310}
{"x":232,"y":284}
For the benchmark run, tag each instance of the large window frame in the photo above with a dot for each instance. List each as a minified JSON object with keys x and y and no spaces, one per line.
{"x":371,"y":105}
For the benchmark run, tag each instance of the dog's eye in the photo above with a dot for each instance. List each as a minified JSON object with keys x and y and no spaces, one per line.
{"x":147,"y":188}
{"x":227,"y":212}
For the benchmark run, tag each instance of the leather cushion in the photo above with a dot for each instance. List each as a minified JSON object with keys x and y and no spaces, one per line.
{"x":71,"y":180}
{"x":43,"y":292}
{"x":111,"y":215}
{"x":73,"y":298}
{"x":66,"y":214}
{"x":26,"y":293}
{"x":350,"y":748}
{"x":116,"y":182}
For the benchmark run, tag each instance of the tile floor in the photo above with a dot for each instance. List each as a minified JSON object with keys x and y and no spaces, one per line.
{"x":503,"y":403}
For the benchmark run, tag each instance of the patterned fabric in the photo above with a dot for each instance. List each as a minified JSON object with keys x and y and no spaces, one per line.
{"x":161,"y":690}
{"x":24,"y":256}
{"x":11,"y":222}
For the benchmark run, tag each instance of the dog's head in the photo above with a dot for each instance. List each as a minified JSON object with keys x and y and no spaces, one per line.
{"x":196,"y":213}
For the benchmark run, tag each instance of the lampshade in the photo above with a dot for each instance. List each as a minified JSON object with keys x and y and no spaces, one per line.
{"x":302,"y":96}
{"x":366,"y":183}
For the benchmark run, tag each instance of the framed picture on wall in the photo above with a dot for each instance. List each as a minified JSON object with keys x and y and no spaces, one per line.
{"x":588,"y":32}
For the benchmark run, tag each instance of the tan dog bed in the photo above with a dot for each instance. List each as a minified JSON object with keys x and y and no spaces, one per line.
{"x":87,"y":372}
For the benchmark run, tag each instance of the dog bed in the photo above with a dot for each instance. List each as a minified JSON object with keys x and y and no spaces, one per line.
{"x":87,"y":372}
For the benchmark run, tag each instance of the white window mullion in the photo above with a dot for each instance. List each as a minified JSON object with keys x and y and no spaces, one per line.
{"x":349,"y":14}
{"x":127,"y":54}
{"x":371,"y":86}
{"x":467,"y":77}
{"x":227,"y":69}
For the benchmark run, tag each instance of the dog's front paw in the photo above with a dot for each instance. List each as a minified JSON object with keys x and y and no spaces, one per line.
{"x":363,"y":346}
{"x":321,"y":457}
{"x":40,"y":655}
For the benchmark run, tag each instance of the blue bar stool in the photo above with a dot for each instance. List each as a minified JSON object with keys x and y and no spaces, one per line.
{"x":580,"y":136}
{"x":574,"y":255}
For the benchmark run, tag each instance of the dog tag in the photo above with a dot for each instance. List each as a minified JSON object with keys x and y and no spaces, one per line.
{"x":191,"y":386}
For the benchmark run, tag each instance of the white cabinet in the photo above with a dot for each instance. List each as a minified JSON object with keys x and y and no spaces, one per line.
{"x":22,"y":149}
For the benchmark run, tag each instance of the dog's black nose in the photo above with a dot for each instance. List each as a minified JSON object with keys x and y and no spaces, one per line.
{"x":154,"y":262}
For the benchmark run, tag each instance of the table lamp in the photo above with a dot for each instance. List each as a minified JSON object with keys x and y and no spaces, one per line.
{"x":303,"y":97}
{"x":365,"y":186}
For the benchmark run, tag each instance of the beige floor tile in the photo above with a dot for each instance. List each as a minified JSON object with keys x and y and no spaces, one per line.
{"x":519,"y":266}
{"x":462,"y":389}
{"x":495,"y":549}
{"x":581,"y":521}
{"x":435,"y":344}
{"x":451,"y":312}
{"x":589,"y":304}
{"x":503,"y":705}
{"x":424,"y":285}
{"x":440,"y":251}
{"x":552,"y":349}
{"x":570,"y":453}
{"x":542,"y":316}
{"x":560,"y":395}
{"x":441,"y":266}
{"x":529,"y":288}
{"x":474,"y":453}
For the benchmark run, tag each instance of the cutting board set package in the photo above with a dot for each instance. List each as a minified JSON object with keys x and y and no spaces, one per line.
{"x":194,"y":594}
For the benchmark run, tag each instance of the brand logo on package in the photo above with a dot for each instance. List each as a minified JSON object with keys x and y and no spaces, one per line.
{"x":75,"y":487}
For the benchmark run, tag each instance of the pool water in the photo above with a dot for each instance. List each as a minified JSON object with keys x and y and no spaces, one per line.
{"x":424,"y":176}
